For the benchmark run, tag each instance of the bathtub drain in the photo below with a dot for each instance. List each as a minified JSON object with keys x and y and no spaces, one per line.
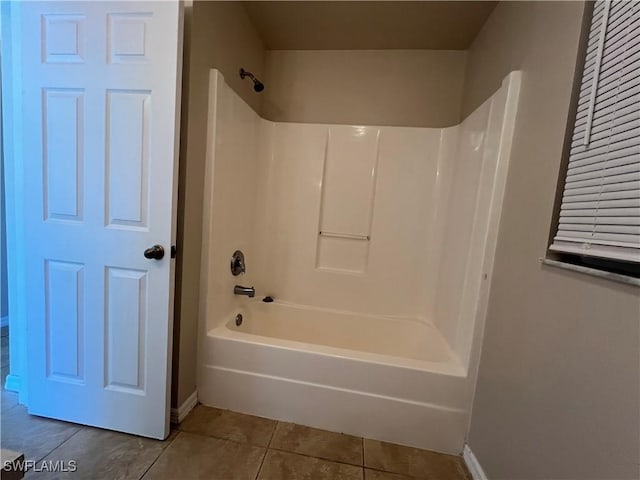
{"x":238,"y":320}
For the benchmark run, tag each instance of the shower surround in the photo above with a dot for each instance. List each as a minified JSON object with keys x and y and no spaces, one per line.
{"x":377,"y":244}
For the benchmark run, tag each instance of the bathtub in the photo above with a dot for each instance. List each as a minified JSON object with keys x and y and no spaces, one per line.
{"x":337,"y":371}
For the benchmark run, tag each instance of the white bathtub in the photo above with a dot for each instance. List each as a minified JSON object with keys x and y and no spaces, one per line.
{"x":425,"y":246}
{"x":337,"y":371}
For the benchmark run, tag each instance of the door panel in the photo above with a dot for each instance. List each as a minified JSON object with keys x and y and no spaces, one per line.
{"x":126,"y":324}
{"x":62,"y":157}
{"x":128,"y":158}
{"x":64,"y":321}
{"x":101,"y":81}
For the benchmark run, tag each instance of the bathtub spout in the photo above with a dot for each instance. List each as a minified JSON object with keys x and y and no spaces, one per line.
{"x":248,"y":291}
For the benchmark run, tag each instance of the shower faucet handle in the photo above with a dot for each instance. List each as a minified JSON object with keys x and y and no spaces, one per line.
{"x":237,"y":263}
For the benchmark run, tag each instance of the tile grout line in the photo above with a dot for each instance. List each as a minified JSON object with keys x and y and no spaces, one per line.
{"x":400,"y":475}
{"x":10,"y":408}
{"x":13,"y":406}
{"x":80,"y":427}
{"x":273,"y":434}
{"x":225,"y":439}
{"x":266,"y":450}
{"x":269,"y":447}
{"x":164,"y":449}
{"x":403,"y":475}
{"x":341,"y":462}
{"x":363,"y":472}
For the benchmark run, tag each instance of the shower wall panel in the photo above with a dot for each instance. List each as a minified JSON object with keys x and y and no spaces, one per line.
{"x":229,"y":214}
{"x":396,"y":221}
{"x":370,"y":189}
{"x":472,"y":213}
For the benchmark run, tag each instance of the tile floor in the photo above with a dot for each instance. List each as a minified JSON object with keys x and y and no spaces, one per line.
{"x":218,"y":444}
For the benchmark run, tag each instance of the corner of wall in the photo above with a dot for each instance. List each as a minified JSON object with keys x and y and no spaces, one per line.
{"x":217,"y":35}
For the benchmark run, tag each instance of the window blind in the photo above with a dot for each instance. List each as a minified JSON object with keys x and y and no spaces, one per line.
{"x":600,"y":211}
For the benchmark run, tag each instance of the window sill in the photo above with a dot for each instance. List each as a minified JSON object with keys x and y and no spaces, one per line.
{"x":594,"y":272}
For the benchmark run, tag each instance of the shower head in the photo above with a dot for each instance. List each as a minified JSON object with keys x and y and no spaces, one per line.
{"x":258,"y":86}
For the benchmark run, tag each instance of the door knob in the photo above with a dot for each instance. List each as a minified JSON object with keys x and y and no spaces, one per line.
{"x":156,"y":252}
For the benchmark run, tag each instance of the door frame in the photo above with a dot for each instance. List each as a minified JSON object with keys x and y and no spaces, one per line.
{"x":11,"y":79}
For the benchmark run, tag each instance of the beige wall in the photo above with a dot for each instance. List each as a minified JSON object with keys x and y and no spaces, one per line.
{"x":419,"y":88}
{"x":217,"y":35}
{"x":558,"y":387}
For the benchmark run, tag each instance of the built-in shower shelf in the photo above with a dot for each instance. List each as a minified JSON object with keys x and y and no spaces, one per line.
{"x":348,"y":198}
{"x":344,"y":235}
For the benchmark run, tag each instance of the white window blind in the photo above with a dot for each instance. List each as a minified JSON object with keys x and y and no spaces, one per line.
{"x":600,"y":212}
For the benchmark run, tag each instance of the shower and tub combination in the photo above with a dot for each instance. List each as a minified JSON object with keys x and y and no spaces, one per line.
{"x":376,"y":244}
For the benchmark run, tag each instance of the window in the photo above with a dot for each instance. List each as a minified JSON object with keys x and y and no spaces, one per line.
{"x":599,"y":222}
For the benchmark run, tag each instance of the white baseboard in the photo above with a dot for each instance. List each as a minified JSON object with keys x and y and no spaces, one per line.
{"x":12,"y":383}
{"x":472,"y":464}
{"x":4,"y":321}
{"x":179,"y":414}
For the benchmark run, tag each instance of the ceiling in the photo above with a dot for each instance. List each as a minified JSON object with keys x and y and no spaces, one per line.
{"x":354,"y":25}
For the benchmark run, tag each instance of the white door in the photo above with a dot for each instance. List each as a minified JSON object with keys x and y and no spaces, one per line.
{"x":100,"y":123}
